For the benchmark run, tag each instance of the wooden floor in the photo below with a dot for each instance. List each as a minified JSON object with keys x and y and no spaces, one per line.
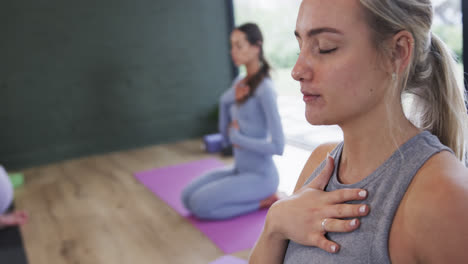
{"x":92,"y":210}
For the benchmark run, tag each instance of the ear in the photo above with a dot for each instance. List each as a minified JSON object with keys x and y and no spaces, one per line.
{"x":402,"y":46}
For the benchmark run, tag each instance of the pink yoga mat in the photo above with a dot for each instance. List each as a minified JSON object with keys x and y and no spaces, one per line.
{"x":231,"y":235}
{"x":229,"y":260}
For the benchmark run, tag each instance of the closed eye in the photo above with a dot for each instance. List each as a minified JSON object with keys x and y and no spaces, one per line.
{"x":327,"y":51}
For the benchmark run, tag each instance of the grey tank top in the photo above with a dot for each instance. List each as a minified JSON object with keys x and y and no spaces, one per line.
{"x":386,"y":187}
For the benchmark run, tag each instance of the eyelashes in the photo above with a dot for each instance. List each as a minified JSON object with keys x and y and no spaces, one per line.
{"x":327,"y":51}
{"x":321,"y":51}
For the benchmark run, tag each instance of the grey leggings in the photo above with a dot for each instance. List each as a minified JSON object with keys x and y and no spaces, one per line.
{"x":226,"y":193}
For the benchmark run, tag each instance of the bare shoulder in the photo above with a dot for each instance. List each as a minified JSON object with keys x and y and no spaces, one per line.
{"x":316,"y":157}
{"x":436,"y":206}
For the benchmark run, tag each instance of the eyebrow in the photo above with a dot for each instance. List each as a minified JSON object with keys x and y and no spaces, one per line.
{"x":317,"y":31}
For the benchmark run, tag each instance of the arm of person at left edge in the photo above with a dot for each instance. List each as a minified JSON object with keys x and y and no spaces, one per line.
{"x":275,"y":145}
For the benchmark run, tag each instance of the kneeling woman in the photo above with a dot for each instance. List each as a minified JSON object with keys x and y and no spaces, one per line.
{"x":249,"y":120}
{"x":6,"y":200}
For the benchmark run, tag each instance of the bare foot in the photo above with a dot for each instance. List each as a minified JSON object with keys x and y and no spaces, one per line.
{"x":270,"y":200}
{"x":16,"y":218}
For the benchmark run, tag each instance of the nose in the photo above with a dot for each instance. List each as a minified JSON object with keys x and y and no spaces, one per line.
{"x":302,"y":70}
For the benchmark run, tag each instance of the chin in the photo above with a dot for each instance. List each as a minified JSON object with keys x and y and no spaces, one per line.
{"x":318,"y":120}
{"x":317,"y":123}
{"x":236,"y":62}
{"x":314,"y":120}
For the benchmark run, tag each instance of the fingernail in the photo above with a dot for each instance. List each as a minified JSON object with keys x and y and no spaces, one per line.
{"x":353,"y":223}
{"x":362,"y":209}
{"x":333,"y":248}
{"x":362,"y":193}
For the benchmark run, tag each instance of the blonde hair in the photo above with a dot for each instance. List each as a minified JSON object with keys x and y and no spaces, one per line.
{"x":438,"y":99}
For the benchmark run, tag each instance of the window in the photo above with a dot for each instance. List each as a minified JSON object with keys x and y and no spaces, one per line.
{"x":448,"y":25}
{"x":277,"y":20}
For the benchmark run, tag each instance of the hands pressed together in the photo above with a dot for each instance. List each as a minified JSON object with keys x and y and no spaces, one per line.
{"x":234,"y":125}
{"x":307,"y":215}
{"x":242,"y":91}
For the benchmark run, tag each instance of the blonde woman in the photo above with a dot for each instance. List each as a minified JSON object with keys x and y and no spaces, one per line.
{"x":396,"y":189}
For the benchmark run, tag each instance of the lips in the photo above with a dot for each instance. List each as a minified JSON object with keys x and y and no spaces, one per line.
{"x":310,"y":97}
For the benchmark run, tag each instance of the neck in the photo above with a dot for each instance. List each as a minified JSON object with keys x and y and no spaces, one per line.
{"x":252,"y":67}
{"x":367,"y":145}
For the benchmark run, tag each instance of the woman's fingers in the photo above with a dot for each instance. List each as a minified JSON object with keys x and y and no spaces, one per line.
{"x":346,"y":195}
{"x":339,"y":226}
{"x":321,"y":181}
{"x":332,"y":225}
{"x":346,"y":210}
{"x":311,"y":204}
{"x":242,"y":91}
{"x":328,"y":245}
{"x":320,"y":241}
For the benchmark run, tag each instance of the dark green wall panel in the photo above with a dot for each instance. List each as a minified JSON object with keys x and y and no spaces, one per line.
{"x":85,"y":77}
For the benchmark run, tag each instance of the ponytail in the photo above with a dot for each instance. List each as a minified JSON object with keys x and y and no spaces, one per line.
{"x":439,"y":98}
{"x":254,"y":81}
